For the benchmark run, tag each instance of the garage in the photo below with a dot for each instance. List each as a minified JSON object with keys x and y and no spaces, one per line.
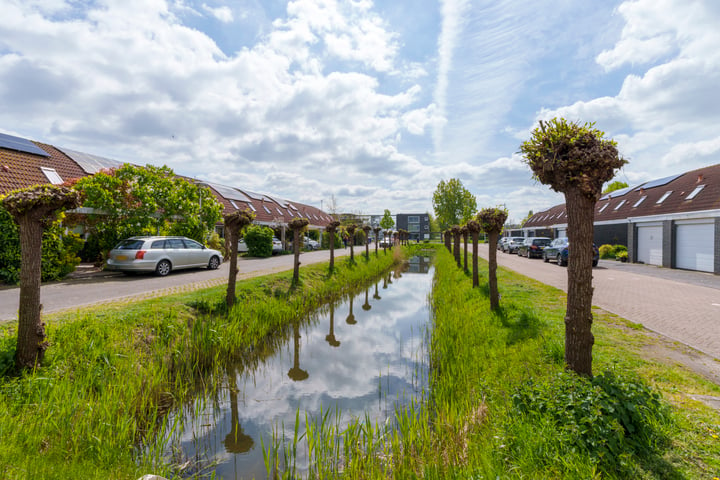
{"x":650,"y":244}
{"x":695,"y":246}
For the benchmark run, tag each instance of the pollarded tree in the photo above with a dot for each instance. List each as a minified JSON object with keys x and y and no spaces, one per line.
{"x":331,"y":228}
{"x":350,"y":229}
{"x":447,"y":236}
{"x":491,"y":221}
{"x":464,"y":232}
{"x":234,"y":223}
{"x":576,"y":160}
{"x":366,"y":229}
{"x":34,"y":209}
{"x":473,"y":228}
{"x":297,"y":225}
{"x":455,"y":232}
{"x":376,"y":231}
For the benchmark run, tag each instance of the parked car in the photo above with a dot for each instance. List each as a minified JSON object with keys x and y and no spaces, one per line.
{"x":242,"y":246}
{"x":309,"y":243}
{"x":512,"y":244}
{"x":533,"y":247}
{"x":559,"y":250}
{"x":277,"y":245}
{"x":502,"y":242}
{"x":161,"y":255}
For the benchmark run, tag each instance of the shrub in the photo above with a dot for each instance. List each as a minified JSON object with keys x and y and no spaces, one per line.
{"x":326,"y":240}
{"x":259,"y":241}
{"x":59,"y":256}
{"x":217,"y":243}
{"x":622,"y":256}
{"x":607,"y":251}
{"x":606,"y":417}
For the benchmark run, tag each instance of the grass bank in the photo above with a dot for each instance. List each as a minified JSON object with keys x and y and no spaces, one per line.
{"x":502,"y":406}
{"x":111,"y":372}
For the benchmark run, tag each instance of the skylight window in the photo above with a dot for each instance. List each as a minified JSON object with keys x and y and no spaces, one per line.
{"x":251,"y":207}
{"x":603,"y":207}
{"x":52,"y":175}
{"x":694,"y":193}
{"x":620,"y":204}
{"x":664,"y":197}
{"x":279,"y":211}
{"x":267,"y":210}
{"x":642,"y":199}
{"x":234,"y":205}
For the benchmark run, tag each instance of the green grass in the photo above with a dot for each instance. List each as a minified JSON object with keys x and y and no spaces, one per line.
{"x":500,"y":405}
{"x":112,"y":372}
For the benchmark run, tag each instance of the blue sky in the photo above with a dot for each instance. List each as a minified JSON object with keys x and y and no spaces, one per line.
{"x":369,"y":102}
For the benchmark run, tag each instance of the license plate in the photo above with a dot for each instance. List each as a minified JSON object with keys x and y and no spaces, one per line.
{"x":121,"y":257}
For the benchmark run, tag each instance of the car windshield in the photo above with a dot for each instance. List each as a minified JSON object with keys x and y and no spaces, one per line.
{"x":130,"y":244}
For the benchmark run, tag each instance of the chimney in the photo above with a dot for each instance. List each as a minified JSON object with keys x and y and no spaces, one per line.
{"x":700,"y":178}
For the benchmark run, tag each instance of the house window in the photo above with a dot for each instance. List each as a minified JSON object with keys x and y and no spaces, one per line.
{"x":642,"y":199}
{"x":52,"y":175}
{"x":694,"y":193}
{"x":413,"y":227}
{"x":414,"y":219}
{"x":664,"y":197}
{"x":620,"y":204}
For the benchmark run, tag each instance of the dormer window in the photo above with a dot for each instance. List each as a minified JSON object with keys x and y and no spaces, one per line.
{"x":52,"y":175}
{"x":620,"y":205}
{"x":664,"y":197}
{"x":642,"y":199}
{"x":694,"y":193}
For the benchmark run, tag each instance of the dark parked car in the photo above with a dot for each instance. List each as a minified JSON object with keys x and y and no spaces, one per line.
{"x":512,"y":244}
{"x":558,"y":251}
{"x":533,"y":247}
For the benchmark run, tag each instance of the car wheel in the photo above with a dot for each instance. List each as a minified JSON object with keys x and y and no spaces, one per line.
{"x":595,"y":263}
{"x":163,"y":268}
{"x":528,"y":253}
{"x":545,"y":258}
{"x":559,"y":260}
{"x":214,"y":263}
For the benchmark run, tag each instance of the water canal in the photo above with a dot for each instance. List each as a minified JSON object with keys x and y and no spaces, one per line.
{"x":359,"y":358}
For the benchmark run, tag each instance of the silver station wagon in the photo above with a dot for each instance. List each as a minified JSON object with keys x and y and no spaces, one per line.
{"x":161,"y":255}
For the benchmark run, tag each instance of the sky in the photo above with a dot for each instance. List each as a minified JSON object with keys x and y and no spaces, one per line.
{"x":365,"y":105}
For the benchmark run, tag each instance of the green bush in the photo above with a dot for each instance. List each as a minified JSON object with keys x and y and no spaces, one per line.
{"x":259,"y":241}
{"x":326,"y":240}
{"x":604,"y":417}
{"x":218,"y":243}
{"x":59,"y":251}
{"x":607,"y":251}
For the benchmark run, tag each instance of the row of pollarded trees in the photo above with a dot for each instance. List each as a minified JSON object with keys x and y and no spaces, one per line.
{"x":577,"y":160}
{"x":490,"y":221}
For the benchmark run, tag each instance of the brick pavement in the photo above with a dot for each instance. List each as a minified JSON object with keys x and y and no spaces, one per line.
{"x":676,"y":305}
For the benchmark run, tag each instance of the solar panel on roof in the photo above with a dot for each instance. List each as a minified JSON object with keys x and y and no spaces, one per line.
{"x":229,"y":192}
{"x":21,"y":145}
{"x":91,"y":163}
{"x":659,"y":182}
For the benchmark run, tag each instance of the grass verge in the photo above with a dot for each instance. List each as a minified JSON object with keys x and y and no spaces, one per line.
{"x":111,"y":372}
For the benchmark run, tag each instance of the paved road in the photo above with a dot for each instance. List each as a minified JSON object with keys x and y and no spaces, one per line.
{"x":116,"y":286}
{"x":681,"y":305}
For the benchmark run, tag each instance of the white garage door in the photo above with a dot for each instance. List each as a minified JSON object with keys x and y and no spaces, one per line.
{"x":695,"y":247}
{"x":650,"y":244}
{"x":562,"y":232}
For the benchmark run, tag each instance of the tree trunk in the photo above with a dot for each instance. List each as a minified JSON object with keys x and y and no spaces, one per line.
{"x":578,"y":319}
{"x":492,"y":270}
{"x":447,"y":242}
{"x":465,"y":239}
{"x":367,"y":249}
{"x":456,"y":248}
{"x":475,"y":258}
{"x":352,"y":245}
{"x":232,"y":275}
{"x":31,"y":343}
{"x":331,"y":238}
{"x":296,"y":255}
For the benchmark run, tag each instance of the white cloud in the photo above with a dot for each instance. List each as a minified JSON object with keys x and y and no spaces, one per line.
{"x":223,"y":14}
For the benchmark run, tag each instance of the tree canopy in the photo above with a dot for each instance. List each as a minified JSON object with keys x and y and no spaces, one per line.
{"x":387,"y":222}
{"x":453,"y":203}
{"x":133,"y":200}
{"x":613,"y":186}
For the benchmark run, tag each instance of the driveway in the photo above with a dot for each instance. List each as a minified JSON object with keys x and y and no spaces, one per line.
{"x":113,"y":286}
{"x":681,"y":305}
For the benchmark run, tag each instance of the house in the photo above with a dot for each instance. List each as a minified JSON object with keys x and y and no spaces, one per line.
{"x":672,"y":222}
{"x":24,"y":163}
{"x":418,"y":224}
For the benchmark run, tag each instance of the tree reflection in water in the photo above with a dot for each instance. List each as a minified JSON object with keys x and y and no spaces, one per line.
{"x":236,"y":441}
{"x":296,"y":373}
{"x":377,"y":295}
{"x":350,"y":320}
{"x":330,"y":337}
{"x":366,"y":306}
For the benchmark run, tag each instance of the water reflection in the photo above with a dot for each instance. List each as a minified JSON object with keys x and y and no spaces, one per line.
{"x":381,"y":362}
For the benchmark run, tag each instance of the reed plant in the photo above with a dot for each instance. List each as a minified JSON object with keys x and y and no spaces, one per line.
{"x":97,"y":406}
